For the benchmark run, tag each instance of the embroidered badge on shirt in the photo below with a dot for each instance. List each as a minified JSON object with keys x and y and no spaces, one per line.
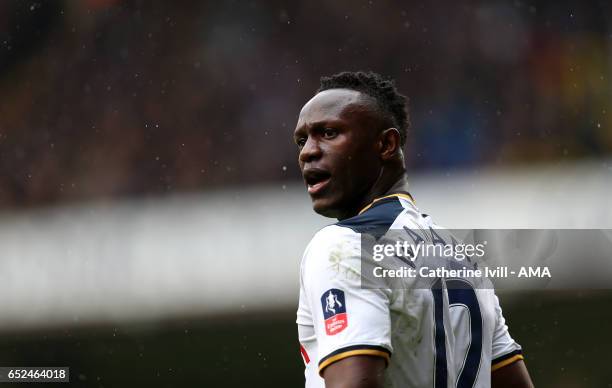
{"x":334,"y":311}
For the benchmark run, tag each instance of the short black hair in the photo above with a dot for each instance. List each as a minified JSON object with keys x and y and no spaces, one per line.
{"x":391,"y":103}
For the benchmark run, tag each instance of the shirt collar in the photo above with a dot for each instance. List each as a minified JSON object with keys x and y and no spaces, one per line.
{"x":405,"y":195}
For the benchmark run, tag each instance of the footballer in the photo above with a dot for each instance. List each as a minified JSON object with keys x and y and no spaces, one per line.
{"x":350,"y":137}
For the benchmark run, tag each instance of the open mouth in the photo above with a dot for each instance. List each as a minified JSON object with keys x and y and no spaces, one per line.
{"x":316,"y":179}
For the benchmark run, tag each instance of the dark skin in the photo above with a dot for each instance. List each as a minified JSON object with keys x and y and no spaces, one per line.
{"x":340,"y":151}
{"x":350,"y":154}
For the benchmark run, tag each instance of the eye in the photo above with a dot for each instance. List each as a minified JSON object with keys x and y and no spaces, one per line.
{"x":330,"y":133}
{"x":300,"y":142}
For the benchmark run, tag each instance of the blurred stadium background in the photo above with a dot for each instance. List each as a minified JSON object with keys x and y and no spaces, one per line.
{"x":153,"y":217}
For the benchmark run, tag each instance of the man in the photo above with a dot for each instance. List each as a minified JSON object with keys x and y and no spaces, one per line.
{"x":350,"y":137}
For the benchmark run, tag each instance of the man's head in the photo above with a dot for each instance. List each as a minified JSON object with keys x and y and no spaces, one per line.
{"x":350,"y":137}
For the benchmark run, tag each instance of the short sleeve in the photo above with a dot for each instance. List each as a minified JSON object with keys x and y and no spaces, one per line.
{"x":347,"y":319}
{"x":505,"y":350}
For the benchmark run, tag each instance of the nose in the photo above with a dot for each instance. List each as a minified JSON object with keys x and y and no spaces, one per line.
{"x":311,"y":151}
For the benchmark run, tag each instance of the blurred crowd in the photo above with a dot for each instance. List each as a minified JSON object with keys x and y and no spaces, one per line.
{"x":101,"y":99}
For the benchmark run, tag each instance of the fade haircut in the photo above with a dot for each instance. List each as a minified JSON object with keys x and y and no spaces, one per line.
{"x":391,"y":103}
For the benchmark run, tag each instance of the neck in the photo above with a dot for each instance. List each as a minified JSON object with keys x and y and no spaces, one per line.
{"x":400,"y":186}
{"x":385,"y":185}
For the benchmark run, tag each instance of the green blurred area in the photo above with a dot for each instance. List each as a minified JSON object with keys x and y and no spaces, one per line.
{"x":565,"y":336}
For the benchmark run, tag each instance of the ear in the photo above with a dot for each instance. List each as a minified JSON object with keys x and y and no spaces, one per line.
{"x":389,"y":143}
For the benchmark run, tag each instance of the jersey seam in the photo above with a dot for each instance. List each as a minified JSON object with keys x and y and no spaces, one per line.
{"x":506,"y":359}
{"x":354,"y":344}
{"x":506,"y":362}
{"x":359,"y":348}
{"x":503,"y":356}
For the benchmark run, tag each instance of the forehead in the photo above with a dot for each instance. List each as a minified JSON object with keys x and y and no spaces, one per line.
{"x":333,"y":104}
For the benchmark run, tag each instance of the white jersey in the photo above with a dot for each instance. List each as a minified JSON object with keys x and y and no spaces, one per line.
{"x":429,"y":337}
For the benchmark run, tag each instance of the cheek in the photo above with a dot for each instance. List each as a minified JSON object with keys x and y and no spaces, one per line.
{"x":363,"y":159}
{"x":355,"y":165}
{"x":360,"y":171}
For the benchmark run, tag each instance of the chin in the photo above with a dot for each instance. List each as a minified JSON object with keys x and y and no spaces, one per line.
{"x":326,"y":208}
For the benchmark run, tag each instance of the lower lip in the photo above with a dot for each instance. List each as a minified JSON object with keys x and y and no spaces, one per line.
{"x":317,"y":187}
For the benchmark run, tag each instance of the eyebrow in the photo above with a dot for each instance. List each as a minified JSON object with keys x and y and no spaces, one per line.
{"x":305,"y":128}
{"x":318,"y":124}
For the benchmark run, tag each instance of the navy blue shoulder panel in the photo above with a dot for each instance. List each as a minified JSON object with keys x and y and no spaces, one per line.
{"x":377,"y":220}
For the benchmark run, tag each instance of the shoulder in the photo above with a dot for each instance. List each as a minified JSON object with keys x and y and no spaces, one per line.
{"x":376,"y":221}
{"x":342,"y":240}
{"x":330,"y":239}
